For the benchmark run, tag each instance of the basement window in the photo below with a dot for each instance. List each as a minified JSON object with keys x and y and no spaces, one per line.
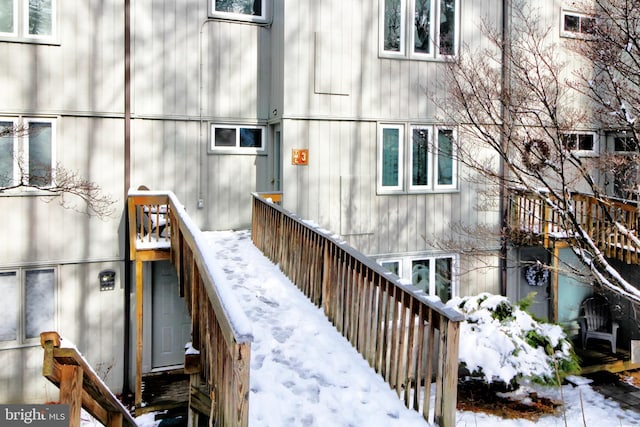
{"x":27,"y":304}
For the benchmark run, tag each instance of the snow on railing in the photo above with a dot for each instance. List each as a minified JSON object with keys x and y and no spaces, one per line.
{"x":410,"y":339}
{"x":611,"y":223}
{"x":221,"y":332}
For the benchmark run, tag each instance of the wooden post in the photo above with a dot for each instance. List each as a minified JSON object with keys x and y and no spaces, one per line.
{"x":71,"y":392}
{"x":139,"y":286}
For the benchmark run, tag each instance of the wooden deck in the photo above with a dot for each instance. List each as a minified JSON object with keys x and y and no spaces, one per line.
{"x":598,"y":357}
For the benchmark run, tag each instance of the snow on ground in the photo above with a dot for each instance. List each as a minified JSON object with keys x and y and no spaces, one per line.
{"x":304,"y":373}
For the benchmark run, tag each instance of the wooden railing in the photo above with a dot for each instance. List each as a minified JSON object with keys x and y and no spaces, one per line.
{"x":532,"y":221}
{"x":79,"y":385}
{"x":405,"y":337}
{"x":220,"y":330}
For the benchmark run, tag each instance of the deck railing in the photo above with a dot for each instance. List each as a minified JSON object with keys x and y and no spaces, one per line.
{"x":79,"y":385}
{"x":404,"y":336}
{"x":532,"y":221}
{"x":220,"y":330}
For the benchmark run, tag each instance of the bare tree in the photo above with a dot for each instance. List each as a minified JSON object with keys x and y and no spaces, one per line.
{"x":520,"y":101}
{"x":53,"y":182}
{"x":613,"y":83}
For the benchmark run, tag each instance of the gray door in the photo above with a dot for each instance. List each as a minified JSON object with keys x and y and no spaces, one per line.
{"x":539,"y":283}
{"x":171,"y":324}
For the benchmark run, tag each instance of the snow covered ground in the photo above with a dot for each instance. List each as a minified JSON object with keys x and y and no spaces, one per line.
{"x":304,"y":373}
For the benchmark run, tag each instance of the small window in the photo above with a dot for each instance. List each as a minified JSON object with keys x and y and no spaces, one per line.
{"x":625,"y":144}
{"x":418,"y":163}
{"x":27,"y":152}
{"x":240,"y":139}
{"x":28,"y":304}
{"x":37,"y":23}
{"x":577,"y":25}
{"x":394,"y":266}
{"x":434,"y":274}
{"x":581,"y":142}
{"x":419,"y":29}
{"x":241,"y":10}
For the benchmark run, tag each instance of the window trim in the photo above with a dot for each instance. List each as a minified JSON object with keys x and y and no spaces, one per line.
{"x":407,"y":32}
{"x":264,"y":18}
{"x":436,"y":161}
{"x":611,"y":142}
{"x":405,"y":270}
{"x":405,"y":168}
{"x":21,"y":25}
{"x":21,"y":150}
{"x":237,"y":149}
{"x":21,"y":319}
{"x":391,"y":188}
{"x":574,"y":34}
{"x":580,"y":152}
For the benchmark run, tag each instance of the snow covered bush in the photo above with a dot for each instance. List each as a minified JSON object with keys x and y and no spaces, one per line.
{"x":501,"y":342}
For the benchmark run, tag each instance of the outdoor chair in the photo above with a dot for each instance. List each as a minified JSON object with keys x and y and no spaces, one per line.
{"x":596,"y":322}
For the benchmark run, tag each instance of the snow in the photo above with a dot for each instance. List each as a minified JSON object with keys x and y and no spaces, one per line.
{"x":304,"y":373}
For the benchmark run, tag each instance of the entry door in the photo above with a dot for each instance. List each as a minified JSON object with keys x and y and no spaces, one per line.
{"x":171,"y":323}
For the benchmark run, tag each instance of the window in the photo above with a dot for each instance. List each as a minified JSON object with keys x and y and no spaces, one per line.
{"x":576,"y":24}
{"x":28,"y":304}
{"x":433,"y":275}
{"x":624,"y":144}
{"x":238,"y":139}
{"x":28,"y":20}
{"x":419,"y":29}
{"x":429,"y":163}
{"x":584,"y":142}
{"x":27,"y":152}
{"x":241,"y":10}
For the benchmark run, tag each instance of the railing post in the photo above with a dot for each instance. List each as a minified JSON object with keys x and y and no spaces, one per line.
{"x":447,"y":395}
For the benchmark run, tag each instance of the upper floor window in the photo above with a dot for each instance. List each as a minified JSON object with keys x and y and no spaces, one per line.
{"x":577,"y":24}
{"x":28,"y":20}
{"x":624,"y":143}
{"x":420,"y":29}
{"x":241,"y":10}
{"x":581,"y":142}
{"x":27,"y":152}
{"x":238,"y":139}
{"x":433,"y":275}
{"x":27,"y":304}
{"x":423,"y":161}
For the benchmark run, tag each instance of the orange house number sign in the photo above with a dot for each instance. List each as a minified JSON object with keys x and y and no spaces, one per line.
{"x":300,"y":156}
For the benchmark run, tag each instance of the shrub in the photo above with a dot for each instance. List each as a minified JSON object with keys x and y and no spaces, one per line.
{"x":501,"y":342}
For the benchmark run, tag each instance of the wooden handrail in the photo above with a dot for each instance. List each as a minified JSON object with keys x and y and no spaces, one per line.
{"x":79,"y":385}
{"x":531,"y":220}
{"x":394,"y":326}
{"x":220,"y":330}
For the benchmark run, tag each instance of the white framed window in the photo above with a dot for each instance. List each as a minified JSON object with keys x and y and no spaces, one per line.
{"x":435,"y":275}
{"x":391,"y":155}
{"x":423,"y":161}
{"x":27,"y":306}
{"x":28,"y":20}
{"x":574,"y":24}
{"x":27,"y":152}
{"x":237,"y":139}
{"x":623,"y":143}
{"x":583,"y":143}
{"x":240,"y":10}
{"x":419,"y":29}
